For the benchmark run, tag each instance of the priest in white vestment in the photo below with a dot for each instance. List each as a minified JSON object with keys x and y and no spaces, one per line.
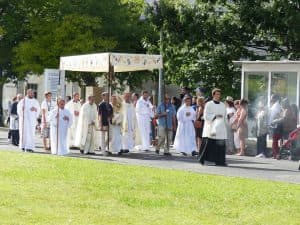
{"x":87,"y":125}
{"x":144,"y":112}
{"x":61,"y":120}
{"x":213,"y":147}
{"x":129,"y":125}
{"x":73,"y":106}
{"x":28,"y":111}
{"x":185,"y":139}
{"x":115,"y":144}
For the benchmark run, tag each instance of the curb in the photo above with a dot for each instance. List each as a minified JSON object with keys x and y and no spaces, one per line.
{"x":4,"y":128}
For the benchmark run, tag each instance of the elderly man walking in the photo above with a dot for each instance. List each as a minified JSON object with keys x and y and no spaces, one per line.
{"x":28,"y":111}
{"x":14,"y":121}
{"x":87,"y":125}
{"x":166,"y":115}
{"x":105,"y":112}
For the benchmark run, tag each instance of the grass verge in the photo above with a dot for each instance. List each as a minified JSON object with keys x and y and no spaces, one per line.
{"x":43,"y":189}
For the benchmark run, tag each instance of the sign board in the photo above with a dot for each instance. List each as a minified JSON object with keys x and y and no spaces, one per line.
{"x":55,"y":82}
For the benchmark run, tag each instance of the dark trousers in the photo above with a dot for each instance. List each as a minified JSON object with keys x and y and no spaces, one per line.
{"x":213,"y":150}
{"x":15,"y":137}
{"x":261,"y":145}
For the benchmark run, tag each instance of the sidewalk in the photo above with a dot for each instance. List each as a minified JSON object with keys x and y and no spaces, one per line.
{"x":238,"y":166}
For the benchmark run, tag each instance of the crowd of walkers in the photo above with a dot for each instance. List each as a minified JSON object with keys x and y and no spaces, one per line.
{"x":198,"y":126}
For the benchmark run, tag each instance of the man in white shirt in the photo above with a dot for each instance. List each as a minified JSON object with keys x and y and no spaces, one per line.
{"x":144,"y":113}
{"x":47,"y":105}
{"x":276,"y":129}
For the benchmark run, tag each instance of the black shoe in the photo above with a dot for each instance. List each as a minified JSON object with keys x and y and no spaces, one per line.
{"x":29,"y":150}
{"x":120,"y":152}
{"x":125,"y":151}
{"x":107,"y":153}
{"x":91,"y":153}
{"x":157,"y":151}
{"x":81,"y":152}
{"x":183,"y":153}
{"x":167,"y":154}
{"x":194,"y":153}
{"x":23,"y":149}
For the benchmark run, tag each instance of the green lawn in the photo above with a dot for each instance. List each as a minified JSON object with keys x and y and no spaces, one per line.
{"x":43,"y":189}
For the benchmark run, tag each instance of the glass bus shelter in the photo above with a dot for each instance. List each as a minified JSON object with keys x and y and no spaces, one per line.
{"x":261,"y":79}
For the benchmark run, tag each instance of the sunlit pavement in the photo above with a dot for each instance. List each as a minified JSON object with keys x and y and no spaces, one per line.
{"x":238,"y":166}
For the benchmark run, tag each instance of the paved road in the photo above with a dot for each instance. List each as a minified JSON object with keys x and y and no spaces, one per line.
{"x":239,"y":166}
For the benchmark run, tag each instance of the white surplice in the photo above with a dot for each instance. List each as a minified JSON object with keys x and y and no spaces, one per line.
{"x":214,"y":128}
{"x":28,"y":121}
{"x":144,"y":113}
{"x":73,"y":107}
{"x":128,"y":126}
{"x":86,"y":128}
{"x":59,"y":125}
{"x":185,"y":139}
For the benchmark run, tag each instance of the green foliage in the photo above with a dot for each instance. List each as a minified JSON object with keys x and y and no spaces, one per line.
{"x":200,"y":41}
{"x":57,"y":28}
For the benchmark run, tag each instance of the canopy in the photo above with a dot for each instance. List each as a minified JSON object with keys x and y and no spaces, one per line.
{"x":102,"y":62}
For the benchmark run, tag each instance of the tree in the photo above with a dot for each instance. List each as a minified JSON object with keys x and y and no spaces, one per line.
{"x":201,"y":40}
{"x":67,"y":27}
{"x":273,"y":26}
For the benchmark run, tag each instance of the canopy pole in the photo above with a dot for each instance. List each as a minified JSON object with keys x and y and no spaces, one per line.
{"x":110,"y":76}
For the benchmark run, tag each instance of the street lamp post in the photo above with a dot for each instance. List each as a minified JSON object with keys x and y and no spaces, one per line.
{"x":161,"y":72}
{"x":155,"y":3}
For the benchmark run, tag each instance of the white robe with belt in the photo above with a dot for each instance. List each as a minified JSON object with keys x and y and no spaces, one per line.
{"x":128,"y":126}
{"x":144,"y":113}
{"x":87,"y":115}
{"x":59,"y":130}
{"x":28,"y":125}
{"x":185,"y":139}
{"x":72,"y":107}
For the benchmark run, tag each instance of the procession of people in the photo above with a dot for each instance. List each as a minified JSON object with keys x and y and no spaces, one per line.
{"x":196,"y":126}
